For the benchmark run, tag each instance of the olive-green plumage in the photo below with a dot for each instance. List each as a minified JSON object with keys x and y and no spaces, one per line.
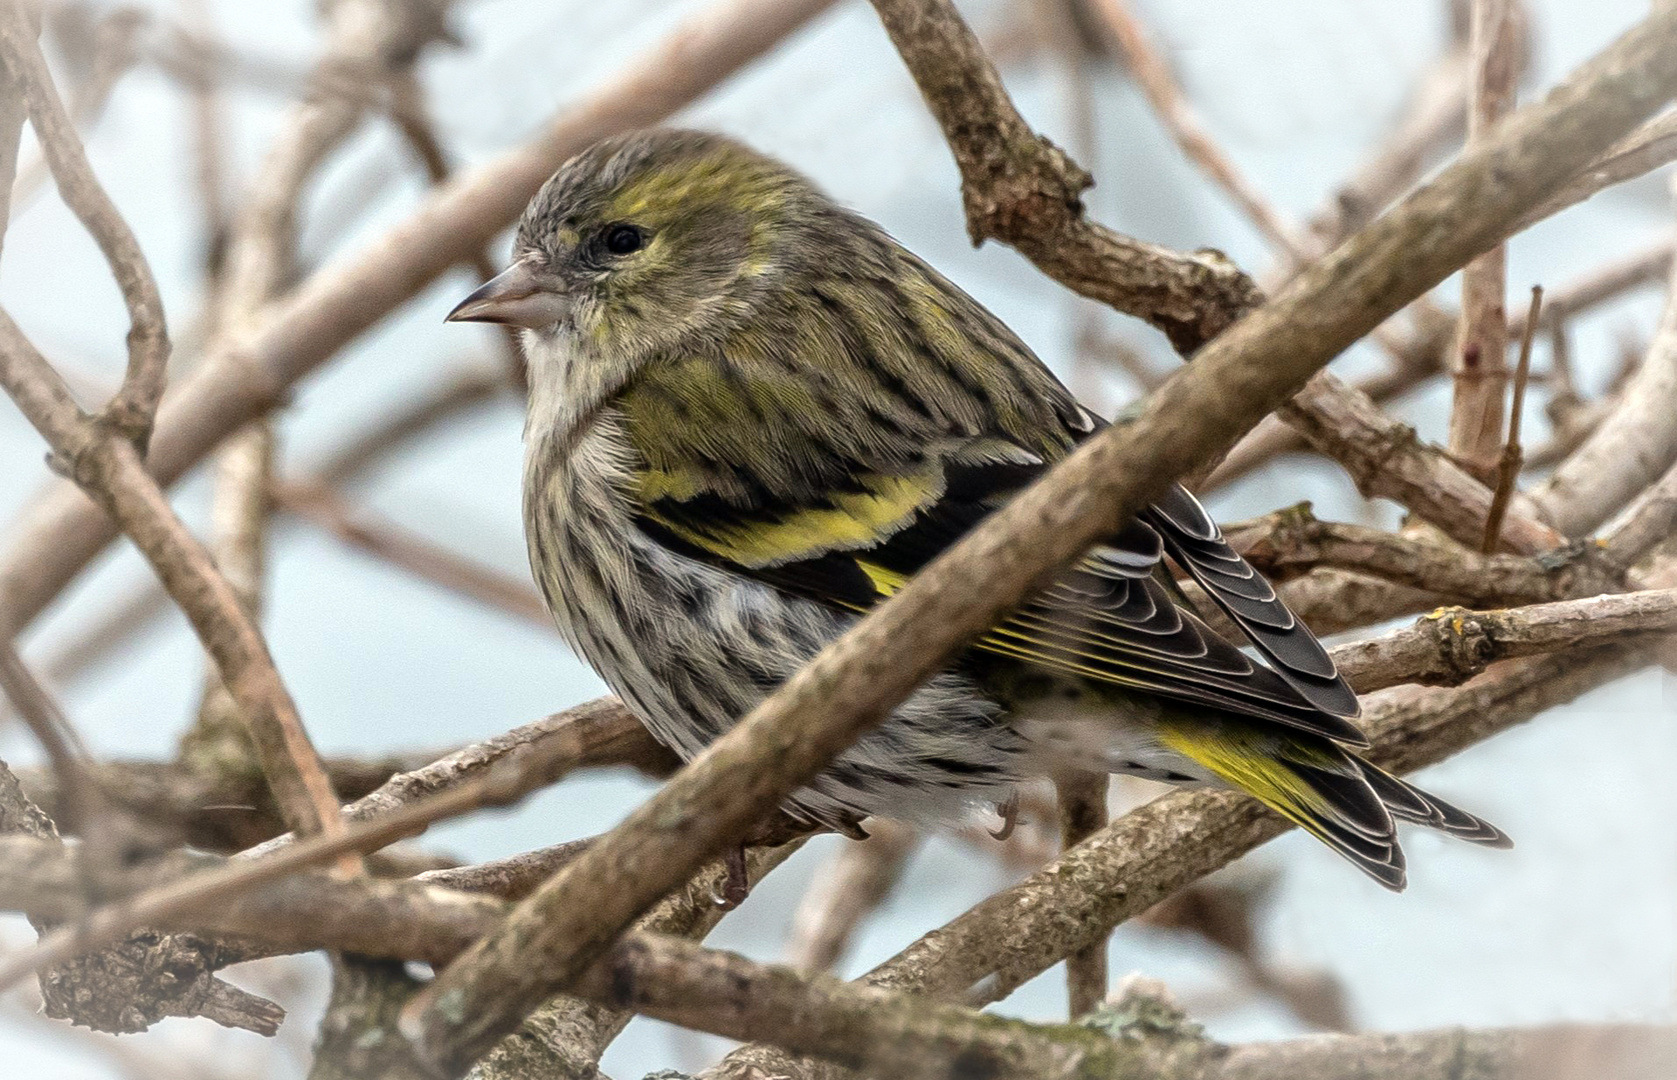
{"x":753,"y":415}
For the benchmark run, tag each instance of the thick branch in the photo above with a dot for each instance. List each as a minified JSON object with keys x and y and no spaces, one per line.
{"x":895,"y":1035}
{"x":858,"y":1025}
{"x":1158,"y":849}
{"x":1292,"y":541}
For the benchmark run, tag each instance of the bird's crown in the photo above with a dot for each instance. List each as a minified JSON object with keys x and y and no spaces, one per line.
{"x":658,"y":179}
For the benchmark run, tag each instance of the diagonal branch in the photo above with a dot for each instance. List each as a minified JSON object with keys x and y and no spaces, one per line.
{"x":1021,"y":189}
{"x":108,"y":468}
{"x":1631,"y":448}
{"x":506,"y":782}
{"x":1150,"y":70}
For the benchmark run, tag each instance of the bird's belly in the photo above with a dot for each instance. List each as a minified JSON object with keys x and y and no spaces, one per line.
{"x":692,"y":648}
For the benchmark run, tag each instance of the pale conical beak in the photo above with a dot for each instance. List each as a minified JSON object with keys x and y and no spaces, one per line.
{"x":520,"y":295}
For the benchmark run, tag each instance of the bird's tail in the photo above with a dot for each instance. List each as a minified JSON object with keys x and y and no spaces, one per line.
{"x":1324,"y":789}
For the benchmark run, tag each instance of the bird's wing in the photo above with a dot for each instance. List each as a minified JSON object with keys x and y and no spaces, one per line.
{"x":836,"y":451}
{"x":1108,"y":619}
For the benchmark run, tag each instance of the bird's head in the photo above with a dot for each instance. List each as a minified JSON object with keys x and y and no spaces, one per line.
{"x":645,"y":238}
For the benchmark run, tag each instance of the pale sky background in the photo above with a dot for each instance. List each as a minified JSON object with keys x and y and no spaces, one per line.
{"x":1579,"y":922}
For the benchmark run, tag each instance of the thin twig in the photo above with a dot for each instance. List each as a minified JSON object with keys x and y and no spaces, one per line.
{"x":846,"y":890}
{"x":599,"y":732}
{"x":1479,"y":361}
{"x":13,"y":112}
{"x":109,"y":470}
{"x":1385,"y":459}
{"x":81,"y":805}
{"x":408,"y":110}
{"x":323,"y":507}
{"x":1612,"y":279}
{"x":132,"y":410}
{"x":466,"y":388}
{"x":1511,"y":461}
{"x":1431,"y":120}
{"x":112,"y":43}
{"x":1630,"y":448}
{"x":500,"y":785}
{"x":1153,"y":74}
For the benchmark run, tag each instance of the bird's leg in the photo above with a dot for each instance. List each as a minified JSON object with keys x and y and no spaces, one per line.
{"x":1009,"y":811}
{"x":735,"y":885}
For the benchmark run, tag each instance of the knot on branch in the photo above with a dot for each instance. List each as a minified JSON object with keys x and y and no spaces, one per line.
{"x":1465,"y":645}
{"x":127,"y":420}
{"x":1021,"y":188}
{"x":126,"y":988}
{"x":1216,"y":292}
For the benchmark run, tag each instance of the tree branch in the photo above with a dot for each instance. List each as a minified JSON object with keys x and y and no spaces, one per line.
{"x":131,"y":411}
{"x":1631,"y":448}
{"x":1154,"y":76}
{"x":1082,"y":806}
{"x":108,"y":468}
{"x":1479,"y":365}
{"x":1452,"y":645}
{"x":1021,"y":189}
{"x":850,"y":887}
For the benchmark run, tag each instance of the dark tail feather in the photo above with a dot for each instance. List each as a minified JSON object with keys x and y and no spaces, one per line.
{"x":1311,"y":782}
{"x":1349,"y":816}
{"x":1409,"y":803}
{"x":1324,"y":789}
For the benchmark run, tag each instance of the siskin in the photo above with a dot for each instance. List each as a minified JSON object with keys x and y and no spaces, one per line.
{"x":753,"y":415}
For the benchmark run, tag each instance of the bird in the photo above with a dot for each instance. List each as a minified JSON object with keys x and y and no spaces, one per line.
{"x":753,"y":415}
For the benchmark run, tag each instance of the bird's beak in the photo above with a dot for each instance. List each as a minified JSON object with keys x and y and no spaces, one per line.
{"x":521,"y":295}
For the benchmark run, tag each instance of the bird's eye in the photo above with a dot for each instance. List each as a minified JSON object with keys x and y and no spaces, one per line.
{"x":623,"y":239}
